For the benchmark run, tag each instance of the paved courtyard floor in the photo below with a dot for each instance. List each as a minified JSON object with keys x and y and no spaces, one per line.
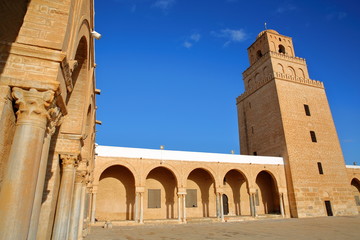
{"x":328,"y":228}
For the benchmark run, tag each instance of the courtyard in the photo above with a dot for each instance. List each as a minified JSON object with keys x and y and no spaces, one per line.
{"x":291,"y":229}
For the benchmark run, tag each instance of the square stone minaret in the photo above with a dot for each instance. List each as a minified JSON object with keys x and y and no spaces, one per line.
{"x":284,"y":113}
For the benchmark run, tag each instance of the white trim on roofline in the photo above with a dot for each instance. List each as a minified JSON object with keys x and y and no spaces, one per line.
{"x":352,"y":166}
{"x":109,"y":151}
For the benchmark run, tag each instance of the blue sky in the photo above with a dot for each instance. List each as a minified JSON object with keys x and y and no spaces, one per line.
{"x":170,"y":70}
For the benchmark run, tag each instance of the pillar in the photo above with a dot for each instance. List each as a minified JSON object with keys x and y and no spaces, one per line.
{"x":179,"y":207}
{"x":251,"y":205}
{"x":254,"y":204}
{"x":184,"y":208}
{"x":20,"y":178}
{"x":55,"y":117}
{"x":281,"y":195}
{"x":221,"y":207}
{"x":76,"y":205}
{"x":93,"y":205}
{"x":63,"y":210}
{"x":141,"y":218}
{"x":82,"y":211}
{"x":136,"y":207}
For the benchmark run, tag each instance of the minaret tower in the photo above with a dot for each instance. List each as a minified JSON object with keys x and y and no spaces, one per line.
{"x":284,"y":113}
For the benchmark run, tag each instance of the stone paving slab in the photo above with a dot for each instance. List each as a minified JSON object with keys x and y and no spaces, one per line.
{"x":326,"y":228}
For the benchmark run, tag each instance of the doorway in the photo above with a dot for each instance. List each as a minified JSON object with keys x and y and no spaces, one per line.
{"x":225,"y":204}
{"x":328,"y":208}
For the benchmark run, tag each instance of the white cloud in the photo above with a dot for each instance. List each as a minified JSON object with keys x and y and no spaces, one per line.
{"x":195,"y":37}
{"x":232,"y":35}
{"x":164,"y":4}
{"x":191,"y":40}
{"x":187,"y":44}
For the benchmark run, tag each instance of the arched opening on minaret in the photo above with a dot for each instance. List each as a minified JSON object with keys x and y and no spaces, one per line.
{"x":259,"y":54}
{"x":282,"y":49}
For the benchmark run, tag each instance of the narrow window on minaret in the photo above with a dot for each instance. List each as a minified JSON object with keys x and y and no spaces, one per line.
{"x":252,"y":130}
{"x":307,"y":110}
{"x":313,"y":136}
{"x":320,"y":168}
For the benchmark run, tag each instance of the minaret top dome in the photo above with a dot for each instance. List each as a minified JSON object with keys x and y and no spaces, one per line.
{"x":267,"y":30}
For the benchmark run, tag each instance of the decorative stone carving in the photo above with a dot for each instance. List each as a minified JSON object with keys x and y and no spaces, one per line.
{"x":80,"y":176}
{"x":69,"y":160}
{"x":55,"y":118}
{"x":67,"y":69}
{"x":32,"y":105}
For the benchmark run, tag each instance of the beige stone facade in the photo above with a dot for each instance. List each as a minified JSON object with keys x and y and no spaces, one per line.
{"x":285,"y":113}
{"x":47,"y":117}
{"x":52,"y":186}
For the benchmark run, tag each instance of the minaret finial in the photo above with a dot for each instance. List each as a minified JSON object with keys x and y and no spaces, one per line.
{"x":265,"y":26}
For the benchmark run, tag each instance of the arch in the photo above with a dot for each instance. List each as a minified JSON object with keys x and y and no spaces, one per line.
{"x":201,"y":198}
{"x":257,"y":77}
{"x":160,"y":194}
{"x":290,"y":51}
{"x":249,"y":83}
{"x":116,"y":194}
{"x":280,"y":68}
{"x":236,"y":187}
{"x":355,"y":187}
{"x":259,"y":54}
{"x":291,"y":71}
{"x":272,"y":46}
{"x":302,"y":74}
{"x":74,"y":121}
{"x":102,"y":168}
{"x":164,"y":165}
{"x":281,"y":49}
{"x":267,"y":194}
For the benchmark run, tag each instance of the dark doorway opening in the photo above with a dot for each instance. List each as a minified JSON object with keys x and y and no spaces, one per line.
{"x":226,"y":204}
{"x":328,"y":208}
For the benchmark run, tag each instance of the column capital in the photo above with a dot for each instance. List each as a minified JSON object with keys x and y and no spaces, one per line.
{"x":33,"y":105}
{"x":140,"y":189}
{"x":69,"y":160}
{"x":80,"y":176}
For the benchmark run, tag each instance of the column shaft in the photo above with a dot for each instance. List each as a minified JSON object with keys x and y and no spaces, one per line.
{"x":179,"y":207}
{"x":20,"y":177}
{"x":141,"y":207}
{"x":63,"y":210}
{"x":136,"y":208}
{"x":221,"y":207}
{"x":93,"y":208}
{"x":82,"y":212}
{"x":184,"y":208}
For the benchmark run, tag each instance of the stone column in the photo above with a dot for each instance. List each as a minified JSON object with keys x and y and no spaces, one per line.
{"x":141,"y":218}
{"x":221,"y":207}
{"x":76,"y":205}
{"x":217,"y":206}
{"x":20,"y":177}
{"x":136,"y":207}
{"x":63,"y":210}
{"x":281,"y":195}
{"x":93,"y":205}
{"x":251,"y":205}
{"x":55,"y":121}
{"x":179,"y":207}
{"x":254,"y":204}
{"x":184,"y":208}
{"x":82,"y":212}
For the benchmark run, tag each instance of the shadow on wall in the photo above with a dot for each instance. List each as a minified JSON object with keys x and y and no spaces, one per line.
{"x":12,"y":17}
{"x":269,"y":194}
{"x":204,"y":181}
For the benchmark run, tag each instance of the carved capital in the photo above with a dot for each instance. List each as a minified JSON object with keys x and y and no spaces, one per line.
{"x":67,"y":69}
{"x":80,"y":176}
{"x":69,"y":160}
{"x":32,"y":106}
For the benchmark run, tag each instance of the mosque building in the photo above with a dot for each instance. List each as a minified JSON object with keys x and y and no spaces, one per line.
{"x":55,"y":183}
